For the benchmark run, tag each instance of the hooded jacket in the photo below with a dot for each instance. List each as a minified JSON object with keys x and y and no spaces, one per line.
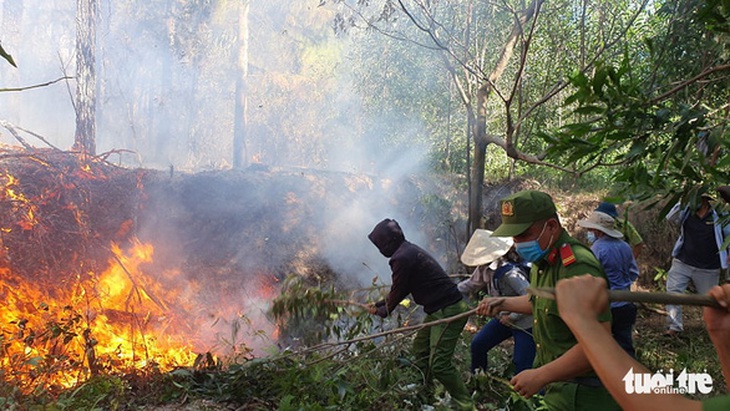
{"x":414,"y":272}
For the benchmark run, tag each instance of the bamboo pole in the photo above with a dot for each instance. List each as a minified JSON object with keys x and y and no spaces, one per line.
{"x":642,"y":297}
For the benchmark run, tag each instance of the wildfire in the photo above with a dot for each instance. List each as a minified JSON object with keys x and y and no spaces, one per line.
{"x":68,"y":314}
{"x":20,"y":203}
{"x":120,"y":319}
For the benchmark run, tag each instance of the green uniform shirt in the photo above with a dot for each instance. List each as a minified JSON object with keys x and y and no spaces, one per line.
{"x":721,"y":403}
{"x":567,"y":258}
{"x":629,"y":231}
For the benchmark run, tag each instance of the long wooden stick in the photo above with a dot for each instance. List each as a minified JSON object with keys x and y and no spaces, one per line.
{"x":642,"y":297}
{"x":394,"y":331}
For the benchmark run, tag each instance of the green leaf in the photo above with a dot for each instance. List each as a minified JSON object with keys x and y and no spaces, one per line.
{"x":637,"y":149}
{"x":725,"y":162}
{"x":589,"y":109}
{"x":4,"y":54}
{"x":668,"y":206}
{"x":618,"y":135}
{"x":599,"y":80}
{"x":579,"y":95}
{"x":577,"y":129}
{"x":579,"y":79}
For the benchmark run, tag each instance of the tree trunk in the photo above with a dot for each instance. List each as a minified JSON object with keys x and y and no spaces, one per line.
{"x":479,"y":131}
{"x":240,"y":126}
{"x":479,"y":135}
{"x":85,"y":138}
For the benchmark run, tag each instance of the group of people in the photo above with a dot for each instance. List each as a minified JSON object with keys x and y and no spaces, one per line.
{"x":561,"y":349}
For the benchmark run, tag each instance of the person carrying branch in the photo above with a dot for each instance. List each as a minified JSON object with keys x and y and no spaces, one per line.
{"x":499,"y":272}
{"x":416,"y":272}
{"x":581,"y":300}
{"x":561,"y":368}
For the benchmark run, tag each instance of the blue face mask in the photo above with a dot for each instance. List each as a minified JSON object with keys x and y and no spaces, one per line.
{"x":530,"y":250}
{"x":591,"y":237}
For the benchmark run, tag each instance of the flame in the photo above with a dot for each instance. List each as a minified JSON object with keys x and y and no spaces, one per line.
{"x":124,"y":318}
{"x":22,"y":205}
{"x":129,"y":315}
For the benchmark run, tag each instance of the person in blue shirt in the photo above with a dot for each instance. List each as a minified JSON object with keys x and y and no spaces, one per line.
{"x":621,"y":270}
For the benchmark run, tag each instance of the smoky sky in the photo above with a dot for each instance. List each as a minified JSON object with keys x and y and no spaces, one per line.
{"x":166,"y":77}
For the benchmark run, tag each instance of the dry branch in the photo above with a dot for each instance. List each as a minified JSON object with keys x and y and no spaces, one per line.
{"x":393,"y":331}
{"x":48,"y":83}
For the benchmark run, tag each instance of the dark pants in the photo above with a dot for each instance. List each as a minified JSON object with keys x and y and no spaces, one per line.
{"x":494,"y":333}
{"x":624,"y":318}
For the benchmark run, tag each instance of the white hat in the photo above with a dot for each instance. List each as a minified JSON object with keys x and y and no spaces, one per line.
{"x":601,"y":222}
{"x":483,"y":248}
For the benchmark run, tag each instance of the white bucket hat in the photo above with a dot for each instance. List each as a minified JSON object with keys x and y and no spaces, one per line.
{"x":483,"y":248}
{"x":601,"y":222}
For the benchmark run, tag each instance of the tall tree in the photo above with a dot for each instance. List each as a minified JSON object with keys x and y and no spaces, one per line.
{"x":241,"y":108}
{"x":509,"y":63}
{"x":478,"y":112}
{"x":85,"y":137}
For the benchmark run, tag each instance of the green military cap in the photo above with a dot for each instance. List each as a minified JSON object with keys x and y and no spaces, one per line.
{"x":520,"y":210}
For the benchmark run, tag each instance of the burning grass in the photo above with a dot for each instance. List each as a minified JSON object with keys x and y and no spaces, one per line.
{"x":107,"y":272}
{"x":76,"y":302}
{"x":84,"y":296}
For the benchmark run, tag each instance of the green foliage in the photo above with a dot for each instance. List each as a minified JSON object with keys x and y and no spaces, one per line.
{"x":660,"y":277}
{"x":104,"y":392}
{"x":315,"y":381}
{"x":669,"y":143}
{"x":310,"y":313}
{"x":4,"y":54}
{"x":364,"y":374}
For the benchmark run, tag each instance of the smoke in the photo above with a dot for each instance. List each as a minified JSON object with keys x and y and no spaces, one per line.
{"x":166,"y":76}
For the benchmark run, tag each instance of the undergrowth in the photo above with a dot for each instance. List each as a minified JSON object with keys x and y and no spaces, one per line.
{"x":344,"y":369}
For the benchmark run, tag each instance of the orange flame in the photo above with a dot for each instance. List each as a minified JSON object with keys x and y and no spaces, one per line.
{"x":20,"y":203}
{"x":123,"y":318}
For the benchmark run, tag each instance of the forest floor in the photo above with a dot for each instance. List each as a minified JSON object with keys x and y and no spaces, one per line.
{"x":691,"y":350}
{"x":198,"y":224}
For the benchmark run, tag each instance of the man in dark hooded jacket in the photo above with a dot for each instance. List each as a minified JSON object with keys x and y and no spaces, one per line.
{"x":416,"y":273}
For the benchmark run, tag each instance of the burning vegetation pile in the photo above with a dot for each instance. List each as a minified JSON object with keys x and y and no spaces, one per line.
{"x":73,"y":302}
{"x":106,"y":270}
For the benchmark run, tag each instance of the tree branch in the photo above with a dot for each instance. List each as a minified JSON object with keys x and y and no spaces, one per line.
{"x":560,"y":85}
{"x":35,"y":86}
{"x":686,"y":83}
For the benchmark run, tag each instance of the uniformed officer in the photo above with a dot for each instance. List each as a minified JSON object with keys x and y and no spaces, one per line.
{"x":561,"y":368}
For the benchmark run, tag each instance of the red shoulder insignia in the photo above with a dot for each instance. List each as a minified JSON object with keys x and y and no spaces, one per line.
{"x":566,"y":254}
{"x":552,"y":256}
